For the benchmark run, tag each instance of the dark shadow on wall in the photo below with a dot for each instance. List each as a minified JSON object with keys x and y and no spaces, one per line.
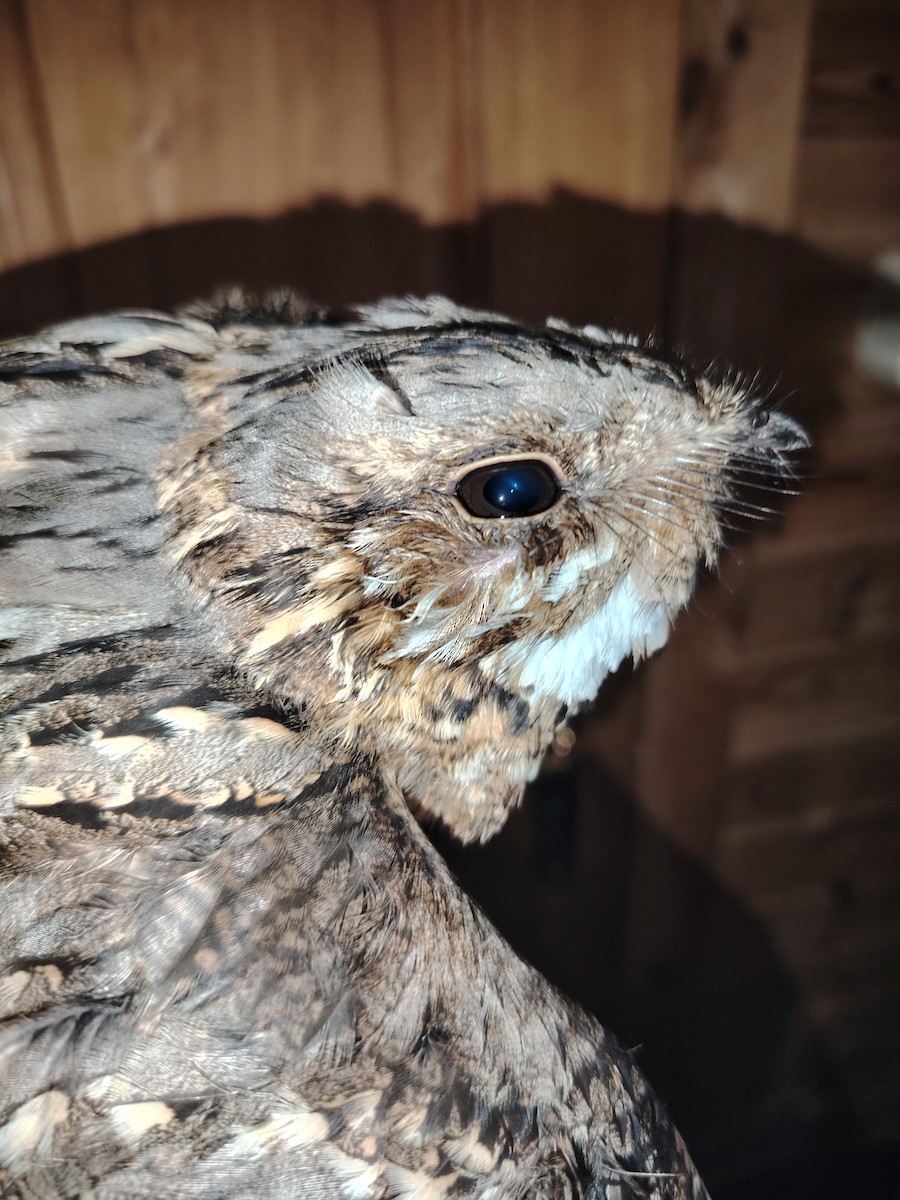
{"x":757,"y":1097}
{"x":732,"y":294}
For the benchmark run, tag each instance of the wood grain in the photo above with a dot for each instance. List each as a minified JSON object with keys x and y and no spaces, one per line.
{"x":742,"y":90}
{"x":32,"y":220}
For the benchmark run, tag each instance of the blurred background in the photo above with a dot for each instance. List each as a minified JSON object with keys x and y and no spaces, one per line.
{"x":714,"y":869}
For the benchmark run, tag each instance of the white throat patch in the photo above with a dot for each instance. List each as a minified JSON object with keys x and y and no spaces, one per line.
{"x":572,"y":666}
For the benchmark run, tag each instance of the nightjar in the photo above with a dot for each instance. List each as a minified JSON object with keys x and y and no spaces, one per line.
{"x":274,"y":587}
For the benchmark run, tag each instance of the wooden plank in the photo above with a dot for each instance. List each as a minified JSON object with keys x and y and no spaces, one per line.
{"x":849,"y":101}
{"x":848,"y":195}
{"x":32,"y":215}
{"x":834,"y":846}
{"x":202,"y":109}
{"x":744,"y":66}
{"x":854,"y":80}
{"x":848,"y":508}
{"x":686,"y":711}
{"x":817,"y":698}
{"x":427,"y":57}
{"x":574,"y":107}
{"x":87,"y":74}
{"x":854,"y":32}
{"x":804,"y":781}
{"x":31,"y":218}
{"x":175,"y":125}
{"x":742,"y":89}
{"x":815,"y":602}
{"x":831,"y":956}
{"x":163,"y":111}
{"x":680,"y":775}
{"x":577,"y":95}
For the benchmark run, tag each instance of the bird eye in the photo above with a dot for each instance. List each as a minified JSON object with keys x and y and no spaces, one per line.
{"x":519,"y":488}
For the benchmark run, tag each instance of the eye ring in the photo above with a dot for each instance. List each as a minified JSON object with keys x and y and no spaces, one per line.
{"x":506,"y":488}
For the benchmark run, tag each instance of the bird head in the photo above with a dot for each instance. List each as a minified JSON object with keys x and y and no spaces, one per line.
{"x":438,"y":532}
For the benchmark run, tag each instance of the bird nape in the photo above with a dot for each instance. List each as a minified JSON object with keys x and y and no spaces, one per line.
{"x":276,"y":587}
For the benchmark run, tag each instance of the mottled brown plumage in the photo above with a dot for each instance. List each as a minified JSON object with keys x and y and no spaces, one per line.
{"x":256,"y":612}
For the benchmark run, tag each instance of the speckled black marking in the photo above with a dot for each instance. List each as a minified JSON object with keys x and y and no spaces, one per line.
{"x":98,"y":1009}
{"x":159,"y":806}
{"x":52,"y":735}
{"x":167,"y":360}
{"x":285,"y":379}
{"x":116,"y":643}
{"x":246,"y":585}
{"x":333,"y":779}
{"x":74,"y":812}
{"x":521,"y":718}
{"x":514,"y":341}
{"x":660,"y":375}
{"x":203,"y":1107}
{"x":57,"y":369}
{"x":263,"y":312}
{"x":135,"y":419}
{"x":461,"y":710}
{"x":113,"y":486}
{"x":198,"y":697}
{"x":104,"y":681}
{"x":68,"y":456}
{"x":542,"y":545}
{"x":208,"y":545}
{"x":295,"y":723}
{"x":561,"y":352}
{"x":583,"y":1172}
{"x":365,"y":510}
{"x":14,"y":539}
{"x":376,"y":367}
{"x":142,"y":724}
{"x":80,"y":568}
{"x":495,"y":639}
{"x":277,"y":512}
{"x":432,"y":1037}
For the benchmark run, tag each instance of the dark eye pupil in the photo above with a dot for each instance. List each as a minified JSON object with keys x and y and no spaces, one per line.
{"x":514,"y":489}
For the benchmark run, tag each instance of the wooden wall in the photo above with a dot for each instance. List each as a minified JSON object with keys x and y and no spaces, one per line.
{"x":714,"y":869}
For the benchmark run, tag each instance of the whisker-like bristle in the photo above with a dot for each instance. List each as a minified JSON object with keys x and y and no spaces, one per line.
{"x":755,"y":479}
{"x":654,"y":513}
{"x":722,"y":501}
{"x":768,"y":466}
{"x":721,"y":495}
{"x":643,"y":531}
